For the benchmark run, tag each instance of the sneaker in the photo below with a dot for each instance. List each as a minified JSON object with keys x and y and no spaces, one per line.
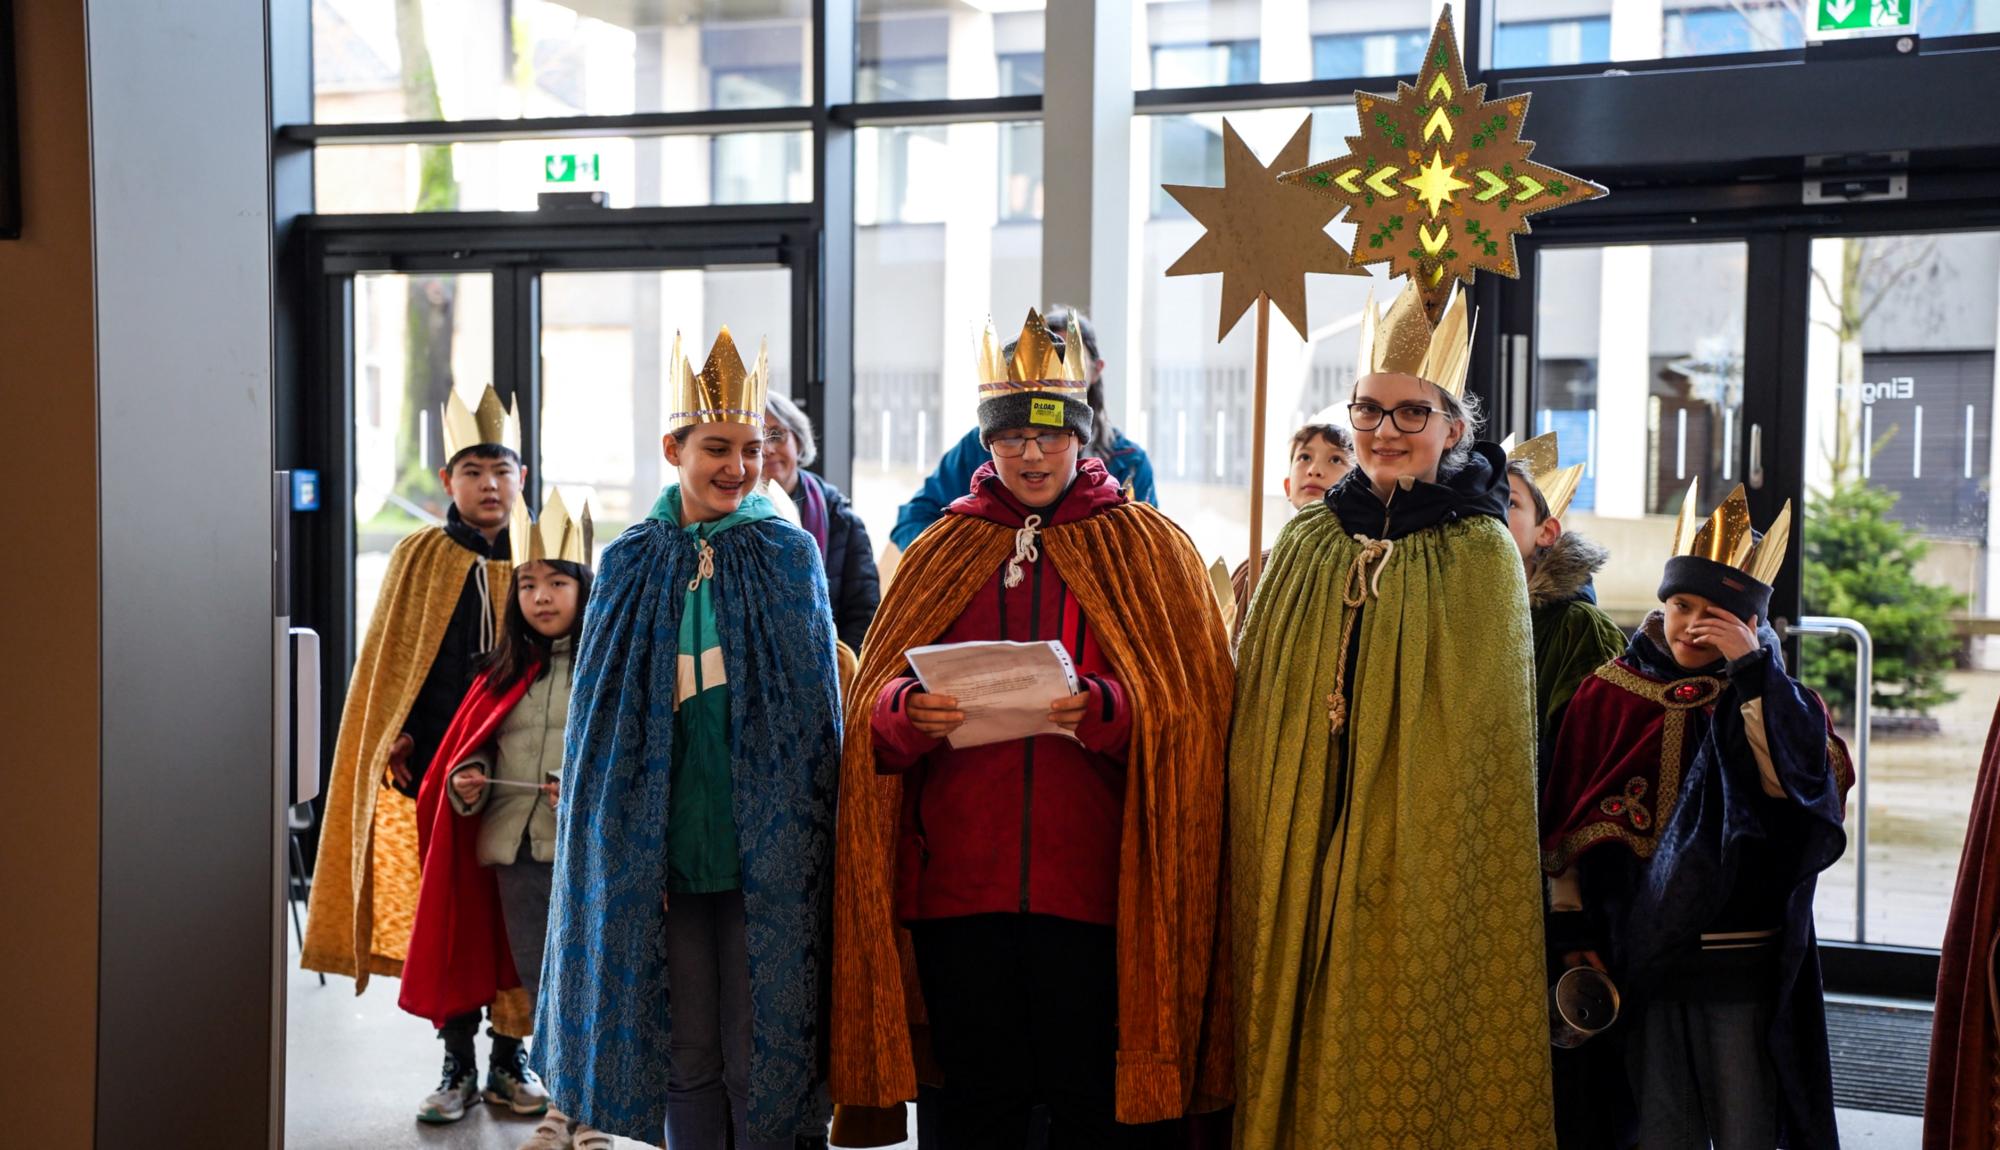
{"x":590,"y":1138}
{"x":459,"y":1090}
{"x":552,"y":1134}
{"x":510,"y":1083}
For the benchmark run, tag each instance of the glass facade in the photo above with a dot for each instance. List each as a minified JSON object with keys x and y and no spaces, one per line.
{"x":401,"y":60}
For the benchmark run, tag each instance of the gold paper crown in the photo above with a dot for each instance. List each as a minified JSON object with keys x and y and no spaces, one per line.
{"x":465,"y":427}
{"x":1727,"y":538}
{"x":1404,"y":341}
{"x":1557,"y":484}
{"x":722,"y":392}
{"x":559,"y":534}
{"x":1036,"y":365}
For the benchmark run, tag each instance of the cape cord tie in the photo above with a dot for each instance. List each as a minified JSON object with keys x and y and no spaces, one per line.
{"x":1361,"y":585}
{"x":1025,"y":551}
{"x":480,"y":579}
{"x":704,"y":567}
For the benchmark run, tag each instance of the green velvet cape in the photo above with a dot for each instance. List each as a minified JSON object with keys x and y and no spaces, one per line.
{"x":1387,"y":894}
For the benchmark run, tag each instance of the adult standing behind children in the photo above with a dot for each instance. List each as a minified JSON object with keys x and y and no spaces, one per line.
{"x":1064,"y":892}
{"x":852,"y":586}
{"x":1125,"y":460}
{"x":437,"y":617}
{"x":688,"y":927}
{"x":1696,"y":793}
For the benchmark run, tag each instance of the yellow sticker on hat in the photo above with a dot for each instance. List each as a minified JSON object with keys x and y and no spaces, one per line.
{"x":1045,"y":412}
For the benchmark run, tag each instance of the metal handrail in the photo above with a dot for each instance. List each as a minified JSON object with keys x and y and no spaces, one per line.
{"x":1864,"y":686}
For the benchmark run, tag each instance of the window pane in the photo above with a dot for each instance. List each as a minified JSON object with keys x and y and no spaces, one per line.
{"x":508,"y":175}
{"x":1647,"y":340}
{"x":605,"y":340}
{"x":931,"y":262}
{"x":1898,"y":534}
{"x":1189,"y":403}
{"x":1188,"y":149}
{"x":1203,"y":43}
{"x":506,"y":59}
{"x":947,"y":49}
{"x":415,"y":338}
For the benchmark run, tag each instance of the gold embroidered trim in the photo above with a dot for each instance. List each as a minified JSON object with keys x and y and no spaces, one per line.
{"x":1843,"y":765}
{"x":1673,"y":736}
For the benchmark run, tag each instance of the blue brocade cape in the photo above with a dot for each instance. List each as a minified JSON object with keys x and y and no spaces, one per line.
{"x":604,"y":1012}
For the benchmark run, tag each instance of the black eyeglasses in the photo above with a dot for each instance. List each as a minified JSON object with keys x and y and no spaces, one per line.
{"x":1410,"y":417}
{"x":1012,"y":446}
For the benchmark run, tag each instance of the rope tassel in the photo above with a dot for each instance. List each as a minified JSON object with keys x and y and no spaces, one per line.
{"x":704,"y":566}
{"x":1361,"y":585}
{"x":1026,"y":550}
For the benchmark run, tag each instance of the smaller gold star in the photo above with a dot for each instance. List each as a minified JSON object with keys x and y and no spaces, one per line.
{"x":1263,"y":236}
{"x":1436,"y":183}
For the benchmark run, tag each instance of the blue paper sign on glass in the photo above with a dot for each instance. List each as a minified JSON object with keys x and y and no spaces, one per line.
{"x":305,"y":490}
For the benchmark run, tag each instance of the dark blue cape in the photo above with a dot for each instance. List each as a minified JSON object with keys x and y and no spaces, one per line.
{"x":1722,"y":816}
{"x":603,"y":1019}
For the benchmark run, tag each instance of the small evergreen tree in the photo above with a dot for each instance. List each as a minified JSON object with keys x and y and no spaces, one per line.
{"x":1862,"y":564}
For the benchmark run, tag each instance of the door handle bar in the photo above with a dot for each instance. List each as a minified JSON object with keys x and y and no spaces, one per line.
{"x":1864,"y":685}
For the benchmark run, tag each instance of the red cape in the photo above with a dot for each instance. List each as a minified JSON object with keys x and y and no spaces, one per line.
{"x":1960,"y":1104}
{"x":459,"y":960}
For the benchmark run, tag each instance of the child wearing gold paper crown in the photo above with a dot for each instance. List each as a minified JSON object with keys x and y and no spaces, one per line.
{"x":433,"y":623}
{"x":688,"y":924}
{"x":1695,"y":794}
{"x":487,"y":818}
{"x":1061,"y":890}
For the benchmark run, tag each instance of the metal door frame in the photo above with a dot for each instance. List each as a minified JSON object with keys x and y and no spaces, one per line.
{"x":516,"y":248}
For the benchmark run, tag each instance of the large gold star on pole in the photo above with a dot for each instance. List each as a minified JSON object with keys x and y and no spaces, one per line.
{"x":1439,"y":182}
{"x":1261,"y":235}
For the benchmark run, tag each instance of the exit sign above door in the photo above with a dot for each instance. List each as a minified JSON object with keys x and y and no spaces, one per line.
{"x":1862,"y":17}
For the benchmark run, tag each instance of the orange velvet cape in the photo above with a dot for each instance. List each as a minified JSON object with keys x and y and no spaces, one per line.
{"x":1151,"y":605}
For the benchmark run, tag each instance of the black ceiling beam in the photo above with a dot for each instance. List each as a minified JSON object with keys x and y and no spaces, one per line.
{"x":1760,"y":118}
{"x":715,"y":122}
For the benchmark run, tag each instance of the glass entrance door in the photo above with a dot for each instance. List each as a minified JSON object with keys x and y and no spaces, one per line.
{"x":571,"y":318}
{"x":1898,"y":535}
{"x":1639,"y":372}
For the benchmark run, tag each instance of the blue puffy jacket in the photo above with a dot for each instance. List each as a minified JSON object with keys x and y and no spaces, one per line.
{"x":1126,"y":461}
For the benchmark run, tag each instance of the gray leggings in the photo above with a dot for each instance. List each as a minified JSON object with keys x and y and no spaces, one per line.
{"x":708,"y":1049}
{"x":524,"y":907}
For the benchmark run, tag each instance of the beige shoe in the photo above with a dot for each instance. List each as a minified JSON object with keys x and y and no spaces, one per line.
{"x":590,"y":1138}
{"x":552,"y":1134}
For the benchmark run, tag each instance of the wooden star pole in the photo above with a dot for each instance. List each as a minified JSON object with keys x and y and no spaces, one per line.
{"x":1263,"y":237}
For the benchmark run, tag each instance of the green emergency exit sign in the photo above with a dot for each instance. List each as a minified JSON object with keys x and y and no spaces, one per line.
{"x":568,"y":169}
{"x":1864,"y":16}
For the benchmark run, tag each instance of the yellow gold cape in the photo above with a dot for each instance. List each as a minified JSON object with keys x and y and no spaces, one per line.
{"x":364,"y":892}
{"x":1388,"y":912}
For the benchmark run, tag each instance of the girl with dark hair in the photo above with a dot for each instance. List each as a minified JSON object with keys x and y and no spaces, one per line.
{"x":489,"y":830}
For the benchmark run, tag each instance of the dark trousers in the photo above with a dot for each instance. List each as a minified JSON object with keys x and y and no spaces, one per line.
{"x":713,"y":1032}
{"x":1704,"y":1076}
{"x":1024,"y":1011}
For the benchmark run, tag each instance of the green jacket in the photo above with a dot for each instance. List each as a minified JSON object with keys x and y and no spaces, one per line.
{"x":1573,"y":636}
{"x":702,"y":855}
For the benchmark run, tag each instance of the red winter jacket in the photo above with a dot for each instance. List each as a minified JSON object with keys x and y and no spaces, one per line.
{"x":1030,"y":825}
